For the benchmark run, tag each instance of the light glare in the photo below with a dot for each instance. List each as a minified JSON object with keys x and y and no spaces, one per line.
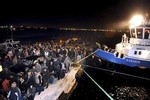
{"x":136,"y":20}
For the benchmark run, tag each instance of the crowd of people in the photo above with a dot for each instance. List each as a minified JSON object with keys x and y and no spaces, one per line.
{"x":54,"y":59}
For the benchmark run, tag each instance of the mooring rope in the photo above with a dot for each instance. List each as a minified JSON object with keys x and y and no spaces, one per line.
{"x":120,"y":73}
{"x":86,"y":56}
{"x":93,"y":79}
{"x":98,"y":85}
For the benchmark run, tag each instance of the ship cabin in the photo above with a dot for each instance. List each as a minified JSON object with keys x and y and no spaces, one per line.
{"x":140,"y":35}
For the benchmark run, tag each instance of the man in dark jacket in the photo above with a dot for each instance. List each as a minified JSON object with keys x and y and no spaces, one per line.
{"x":14,"y":92}
{"x":46,"y":77}
{"x":56,"y":68}
{"x":29,"y":80}
{"x":22,"y":86}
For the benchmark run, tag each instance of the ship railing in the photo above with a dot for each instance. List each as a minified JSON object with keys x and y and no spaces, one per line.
{"x":125,"y":39}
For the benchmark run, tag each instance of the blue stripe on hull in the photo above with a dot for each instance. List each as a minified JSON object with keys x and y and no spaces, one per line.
{"x":126,"y":61}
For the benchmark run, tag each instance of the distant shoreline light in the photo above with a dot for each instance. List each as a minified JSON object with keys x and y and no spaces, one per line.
{"x":67,"y":29}
{"x":101,"y":30}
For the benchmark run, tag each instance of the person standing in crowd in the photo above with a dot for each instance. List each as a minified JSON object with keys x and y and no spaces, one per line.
{"x":5,"y":86}
{"x":29,"y":80}
{"x":38,"y":67}
{"x":31,"y":93}
{"x":67,"y":63}
{"x":37,"y":77}
{"x":14,"y":92}
{"x":22,"y":87}
{"x":50,"y":65}
{"x":56,"y":68}
{"x":62,"y":70}
{"x":45,"y":77}
{"x":14,"y":60}
{"x":30,"y":85}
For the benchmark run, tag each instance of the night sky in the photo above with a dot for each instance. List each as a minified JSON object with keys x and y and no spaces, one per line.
{"x":85,"y":14}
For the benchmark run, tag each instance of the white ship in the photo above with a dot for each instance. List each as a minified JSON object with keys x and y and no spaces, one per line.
{"x":133,"y":51}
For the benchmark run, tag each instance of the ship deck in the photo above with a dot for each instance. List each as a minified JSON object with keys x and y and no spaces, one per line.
{"x":56,"y":89}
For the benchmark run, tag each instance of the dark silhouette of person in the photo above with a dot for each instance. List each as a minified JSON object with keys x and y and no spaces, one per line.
{"x":146,"y":35}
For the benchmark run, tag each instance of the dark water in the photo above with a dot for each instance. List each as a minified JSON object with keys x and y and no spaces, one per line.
{"x":112,"y":84}
{"x":109,"y":38}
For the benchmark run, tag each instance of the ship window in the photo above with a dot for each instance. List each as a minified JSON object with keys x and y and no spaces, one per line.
{"x":122,"y":55}
{"x":147,"y":34}
{"x":140,"y":52}
{"x":133,"y":33}
{"x":117,"y":54}
{"x":139,"y":33}
{"x":135,"y":52}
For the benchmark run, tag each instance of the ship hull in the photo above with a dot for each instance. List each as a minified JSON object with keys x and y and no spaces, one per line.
{"x":128,"y":61}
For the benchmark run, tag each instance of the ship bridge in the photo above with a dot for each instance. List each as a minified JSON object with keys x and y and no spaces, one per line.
{"x":140,"y":35}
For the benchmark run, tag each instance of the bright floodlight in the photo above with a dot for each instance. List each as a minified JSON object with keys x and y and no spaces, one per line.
{"x":131,"y":26}
{"x":136,"y":20}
